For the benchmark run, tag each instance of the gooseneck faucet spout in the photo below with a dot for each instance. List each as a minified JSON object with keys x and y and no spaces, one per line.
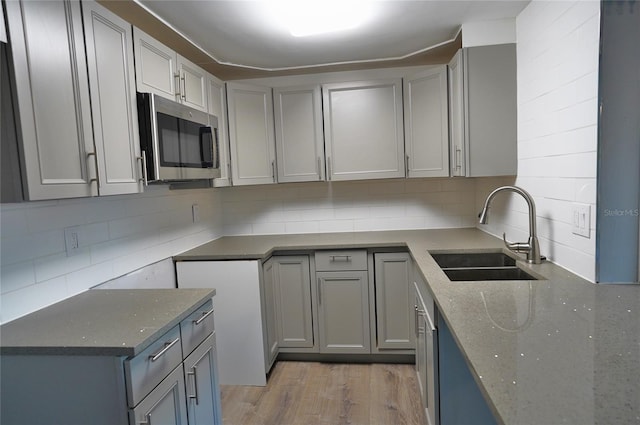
{"x":531,"y":247}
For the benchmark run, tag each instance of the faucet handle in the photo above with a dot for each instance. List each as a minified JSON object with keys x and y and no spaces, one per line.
{"x":516,"y":246}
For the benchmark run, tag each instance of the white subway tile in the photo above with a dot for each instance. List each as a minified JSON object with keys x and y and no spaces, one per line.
{"x":268,"y":228}
{"x":31,"y":298}
{"x":16,"y":276}
{"x":294,"y":227}
{"x":336,"y":226}
{"x":55,"y":265}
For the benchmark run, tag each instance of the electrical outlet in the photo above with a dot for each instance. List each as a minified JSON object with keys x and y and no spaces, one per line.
{"x":195,"y":213}
{"x":72,"y":240}
{"x":581,"y":220}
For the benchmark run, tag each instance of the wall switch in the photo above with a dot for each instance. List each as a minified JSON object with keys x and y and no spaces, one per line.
{"x":72,"y":240}
{"x":581,"y":220}
{"x":195,"y":213}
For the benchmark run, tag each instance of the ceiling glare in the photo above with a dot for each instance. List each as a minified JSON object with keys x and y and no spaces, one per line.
{"x":308,"y":18}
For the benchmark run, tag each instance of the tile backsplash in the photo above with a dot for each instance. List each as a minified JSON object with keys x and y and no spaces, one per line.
{"x":117,"y":234}
{"x":349,"y":206}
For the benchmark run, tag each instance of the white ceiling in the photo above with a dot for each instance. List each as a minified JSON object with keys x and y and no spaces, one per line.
{"x":243,"y":33}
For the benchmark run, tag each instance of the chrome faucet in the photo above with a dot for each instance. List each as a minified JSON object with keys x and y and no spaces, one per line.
{"x":532,"y":247}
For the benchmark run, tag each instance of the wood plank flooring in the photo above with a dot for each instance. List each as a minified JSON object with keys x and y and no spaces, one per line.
{"x":309,"y":393}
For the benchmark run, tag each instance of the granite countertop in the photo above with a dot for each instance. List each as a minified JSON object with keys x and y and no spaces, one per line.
{"x":101,"y":322}
{"x":551,"y":351}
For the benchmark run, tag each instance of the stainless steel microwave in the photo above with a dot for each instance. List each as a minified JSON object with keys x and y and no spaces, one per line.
{"x":178,"y":143}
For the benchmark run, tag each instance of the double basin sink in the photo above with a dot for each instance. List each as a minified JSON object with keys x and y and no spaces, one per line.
{"x":480,"y":266}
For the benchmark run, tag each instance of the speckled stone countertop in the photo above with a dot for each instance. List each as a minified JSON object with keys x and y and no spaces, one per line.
{"x":101,"y":322}
{"x":555,"y":351}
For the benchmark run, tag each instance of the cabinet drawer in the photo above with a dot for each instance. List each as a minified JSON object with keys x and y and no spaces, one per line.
{"x":147,"y":369}
{"x":341,"y":260}
{"x":197,"y":327}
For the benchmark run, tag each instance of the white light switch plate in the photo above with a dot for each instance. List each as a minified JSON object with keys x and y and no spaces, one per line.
{"x":581,"y":220}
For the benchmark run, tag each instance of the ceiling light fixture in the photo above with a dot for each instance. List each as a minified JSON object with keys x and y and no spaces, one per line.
{"x":305,"y":18}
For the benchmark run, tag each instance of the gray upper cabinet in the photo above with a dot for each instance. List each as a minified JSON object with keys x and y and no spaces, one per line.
{"x":75,"y":95}
{"x":53,"y":104}
{"x":217,"y":101}
{"x":483,"y":111}
{"x":155,"y":66}
{"x":299,"y":138}
{"x":426,"y":126}
{"x":113,"y":100}
{"x":162,"y":71}
{"x":363,"y":126}
{"x":251,"y":134}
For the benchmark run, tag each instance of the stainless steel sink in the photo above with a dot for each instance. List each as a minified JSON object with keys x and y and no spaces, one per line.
{"x":476,"y":259}
{"x":479,"y":266}
{"x":470,"y":274}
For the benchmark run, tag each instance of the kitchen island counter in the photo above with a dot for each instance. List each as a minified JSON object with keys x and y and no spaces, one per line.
{"x":549,"y":351}
{"x":101,"y":322}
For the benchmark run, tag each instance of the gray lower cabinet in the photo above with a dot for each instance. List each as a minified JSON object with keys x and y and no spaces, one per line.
{"x":426,"y":350}
{"x":201,"y":384}
{"x":292,"y":290}
{"x":271,"y":337}
{"x":172,"y":381}
{"x":343,"y":312}
{"x":164,"y":405}
{"x":394,"y":300}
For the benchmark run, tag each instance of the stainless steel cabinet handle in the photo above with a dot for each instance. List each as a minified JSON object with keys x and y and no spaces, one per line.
{"x":167,"y":346}
{"x":144,"y":169}
{"x":319,"y":292}
{"x":195,"y":385}
{"x":458,"y":162}
{"x":415,"y":319}
{"x":328,"y":168}
{"x":183,"y":89}
{"x":176,"y":83}
{"x":273,"y":171}
{"x":406,"y":166}
{"x":347,"y":258}
{"x":95,"y":164}
{"x":319,"y":172}
{"x":205,"y":314}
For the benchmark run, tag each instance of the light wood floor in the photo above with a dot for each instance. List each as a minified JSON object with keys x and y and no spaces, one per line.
{"x":308,"y":393}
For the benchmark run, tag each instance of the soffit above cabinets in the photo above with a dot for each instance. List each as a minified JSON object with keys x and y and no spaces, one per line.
{"x":240,"y":39}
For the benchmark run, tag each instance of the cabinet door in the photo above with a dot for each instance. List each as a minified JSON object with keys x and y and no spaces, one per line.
{"x":299,"y":140}
{"x":203,"y":391}
{"x":156,"y":68}
{"x":394,"y":301}
{"x":113,"y":100}
{"x":217,"y":101}
{"x":251,"y":134}
{"x":268,"y":280}
{"x":491,"y":110}
{"x":193,"y":84}
{"x":292,"y":283}
{"x":363,"y":130}
{"x":421,"y":351}
{"x":52,"y":88}
{"x":426,"y":124}
{"x":165,"y":404}
{"x":456,"y":114}
{"x":343,"y":312}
